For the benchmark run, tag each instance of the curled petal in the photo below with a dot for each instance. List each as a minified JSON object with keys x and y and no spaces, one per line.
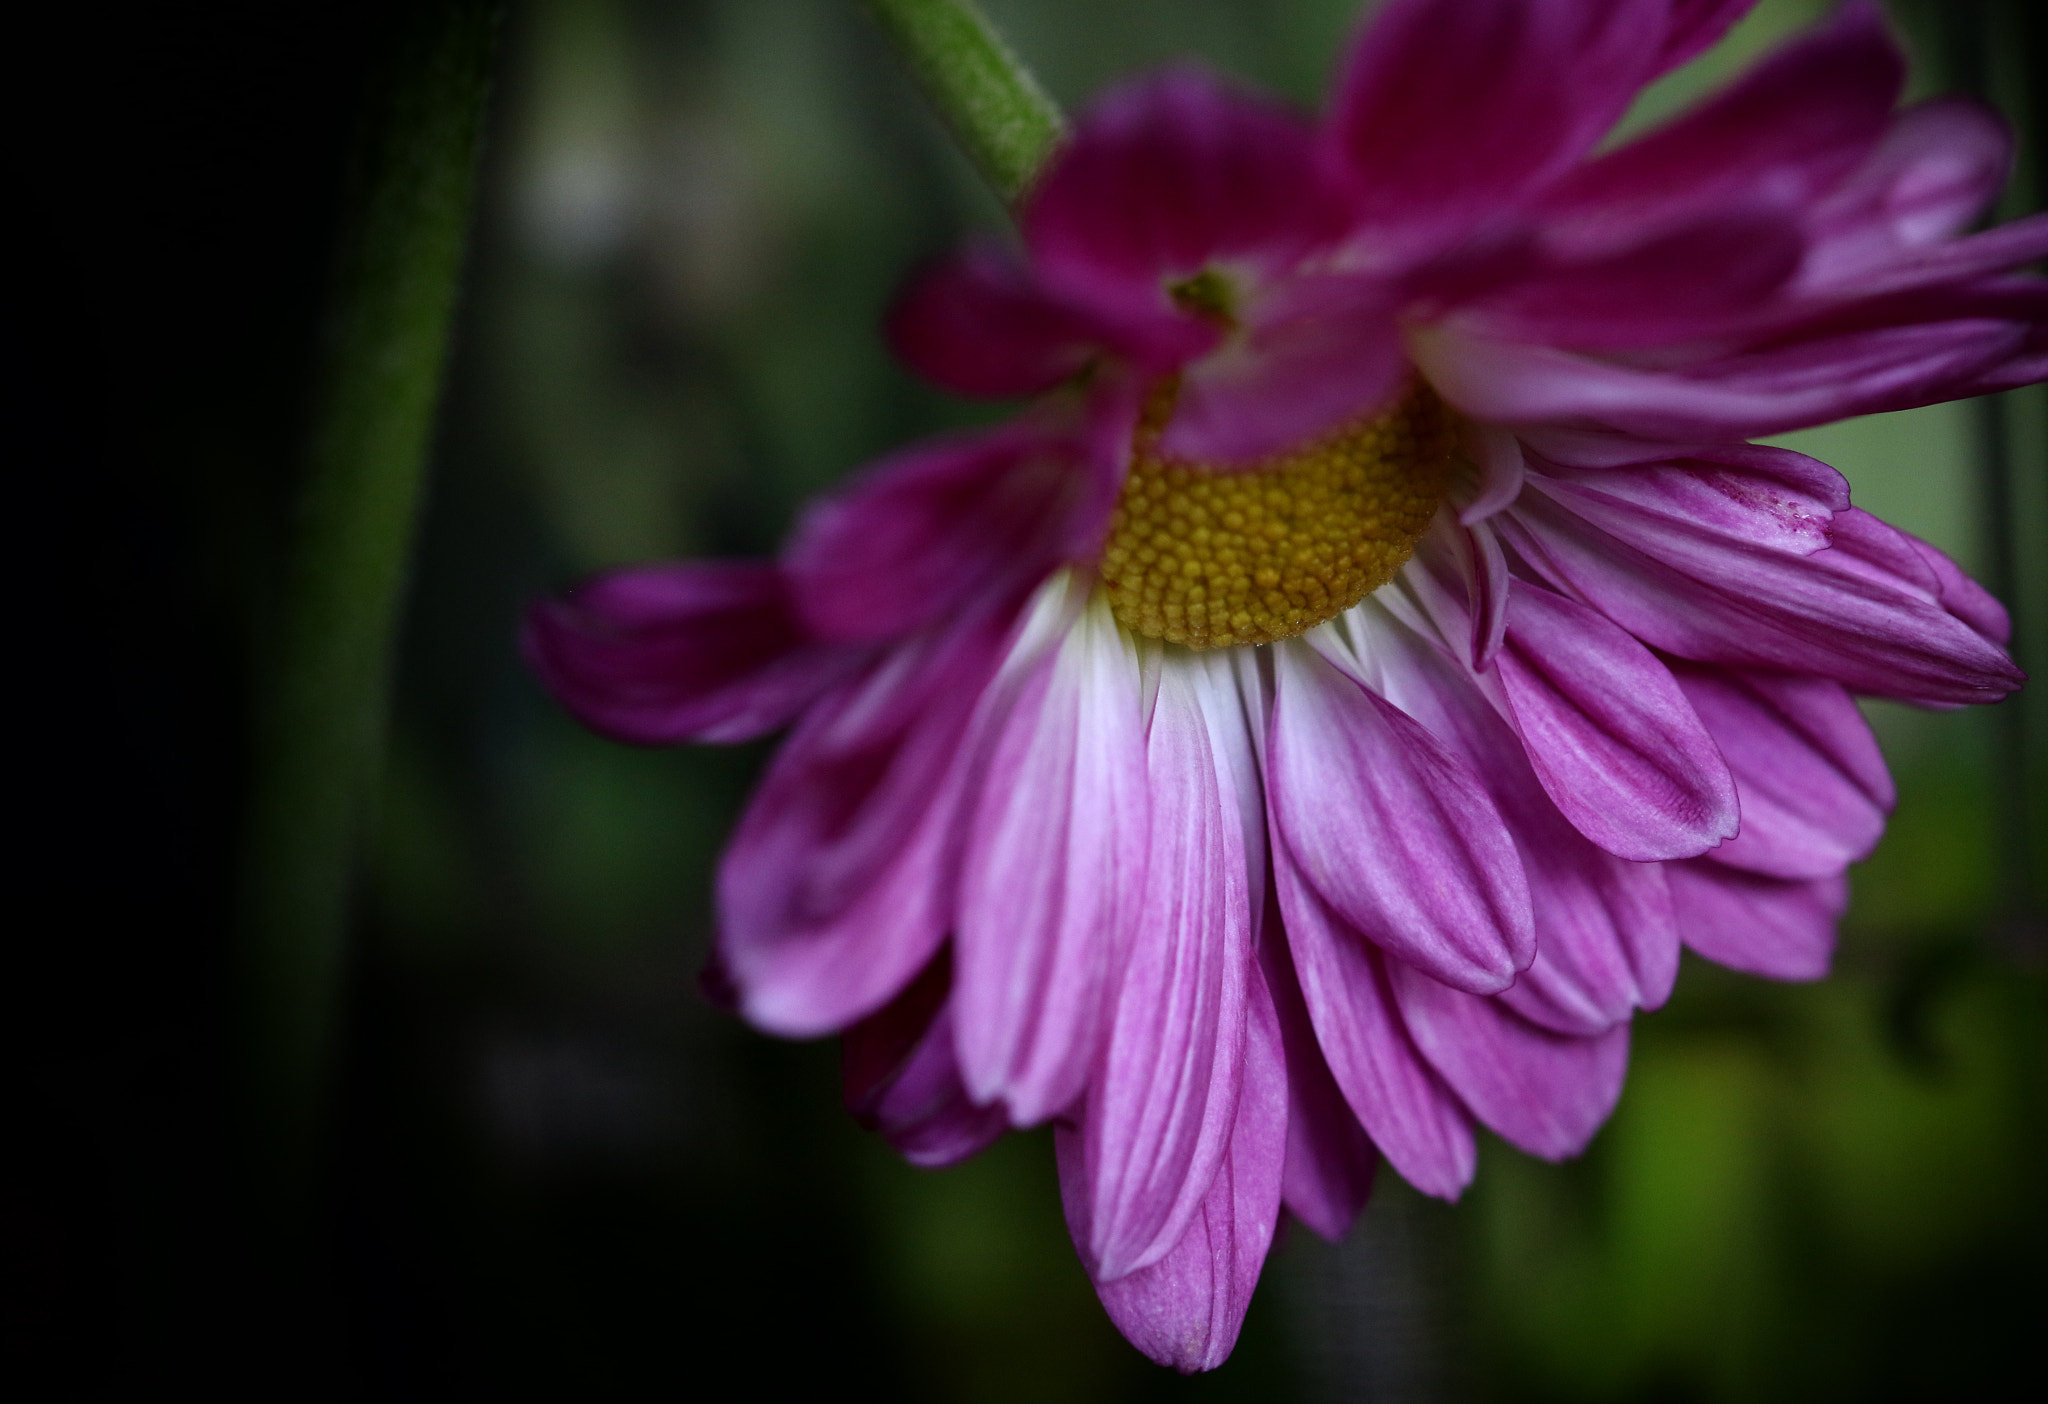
{"x":1391,"y":829}
{"x":1784,"y":930}
{"x":902,"y":1078}
{"x":837,"y":886}
{"x":665,"y":654}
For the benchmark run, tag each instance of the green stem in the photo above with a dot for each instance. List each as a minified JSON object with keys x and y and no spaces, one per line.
{"x":321,"y":700}
{"x":996,"y":108}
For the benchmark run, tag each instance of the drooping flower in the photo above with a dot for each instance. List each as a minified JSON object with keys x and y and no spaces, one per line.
{"x":1313,"y":725}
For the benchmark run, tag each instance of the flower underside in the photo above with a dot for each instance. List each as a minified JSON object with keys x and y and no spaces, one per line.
{"x":1207,"y":557}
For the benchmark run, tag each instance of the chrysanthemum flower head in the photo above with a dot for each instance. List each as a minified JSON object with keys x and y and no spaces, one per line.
{"x":1311,"y":727}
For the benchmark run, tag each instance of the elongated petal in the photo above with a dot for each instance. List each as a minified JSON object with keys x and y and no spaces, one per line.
{"x":1616,"y":744}
{"x":837,"y":886}
{"x":1813,"y":380}
{"x":1414,"y":1119}
{"x":1391,"y":829}
{"x":1164,"y":176}
{"x":1760,"y":925}
{"x":1186,"y":1309}
{"x":1160,"y":1111}
{"x":938,"y":528}
{"x":1330,"y":1159}
{"x":1544,"y":1092}
{"x":1054,"y":860}
{"x":977,"y":323}
{"x":1448,"y":111}
{"x":698,"y":652}
{"x":1788,"y":131}
{"x":1813,"y":786}
{"x":1863,"y":612}
{"x":902,"y":1078}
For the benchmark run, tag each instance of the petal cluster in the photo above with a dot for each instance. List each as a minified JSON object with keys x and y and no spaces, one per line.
{"x":1241,"y":921}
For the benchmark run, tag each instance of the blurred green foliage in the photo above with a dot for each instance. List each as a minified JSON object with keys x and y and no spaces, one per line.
{"x":697,"y":211}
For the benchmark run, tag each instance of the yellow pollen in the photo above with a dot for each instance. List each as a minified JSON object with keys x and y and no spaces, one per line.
{"x":1207,"y":556}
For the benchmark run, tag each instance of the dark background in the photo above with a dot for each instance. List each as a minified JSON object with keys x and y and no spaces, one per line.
{"x":552,"y":1169}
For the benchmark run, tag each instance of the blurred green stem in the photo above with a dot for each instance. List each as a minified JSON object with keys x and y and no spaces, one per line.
{"x":321,"y":696}
{"x":996,"y":108}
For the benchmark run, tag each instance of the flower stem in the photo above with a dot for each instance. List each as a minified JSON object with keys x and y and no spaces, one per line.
{"x":321,"y":694}
{"x":1005,"y":120}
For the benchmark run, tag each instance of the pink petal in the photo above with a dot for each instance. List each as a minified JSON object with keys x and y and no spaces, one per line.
{"x":1543,"y":1092}
{"x":1616,"y":744}
{"x":1961,"y":596}
{"x":903,"y":1080}
{"x":929,"y":531}
{"x":1793,"y":127}
{"x":1053,"y":869}
{"x":1605,"y":941}
{"x":1404,"y":1106}
{"x":1449,"y":111}
{"x":1186,"y":1309}
{"x":1498,"y":456}
{"x":1160,"y":1111}
{"x":1330,"y":1159}
{"x":1759,"y":925}
{"x":1391,"y":829}
{"x":1167,"y":175}
{"x":1702,"y":591}
{"x":658,"y":655}
{"x":837,"y":886}
{"x":1813,"y":785}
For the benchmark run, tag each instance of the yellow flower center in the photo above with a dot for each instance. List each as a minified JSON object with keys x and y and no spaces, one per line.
{"x":1208,"y":556}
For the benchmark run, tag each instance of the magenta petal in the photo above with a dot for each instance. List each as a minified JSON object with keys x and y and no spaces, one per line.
{"x":937,"y":528}
{"x":1790,"y":129}
{"x":1695,"y":25}
{"x":1054,"y":861}
{"x":1404,"y":1106}
{"x":903,"y":1080}
{"x":658,"y":655}
{"x":1734,"y":264}
{"x":1759,"y":925}
{"x":1616,"y":744}
{"x":1813,"y":786}
{"x":1605,"y":940}
{"x":837,"y":885}
{"x":1330,"y":1159}
{"x":1160,"y":1110}
{"x":1276,"y":385}
{"x":1391,"y":829}
{"x":1185,"y":1310}
{"x":1863,"y":612}
{"x":976,"y":323}
{"x":1961,"y":596}
{"x":1164,"y":176}
{"x":1546,"y":1093}
{"x":1449,"y":110}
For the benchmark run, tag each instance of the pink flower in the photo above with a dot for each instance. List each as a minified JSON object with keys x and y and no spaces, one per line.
{"x":1312,"y":727}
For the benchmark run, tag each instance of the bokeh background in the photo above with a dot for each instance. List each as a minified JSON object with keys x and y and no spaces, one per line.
{"x":553,"y":1170}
